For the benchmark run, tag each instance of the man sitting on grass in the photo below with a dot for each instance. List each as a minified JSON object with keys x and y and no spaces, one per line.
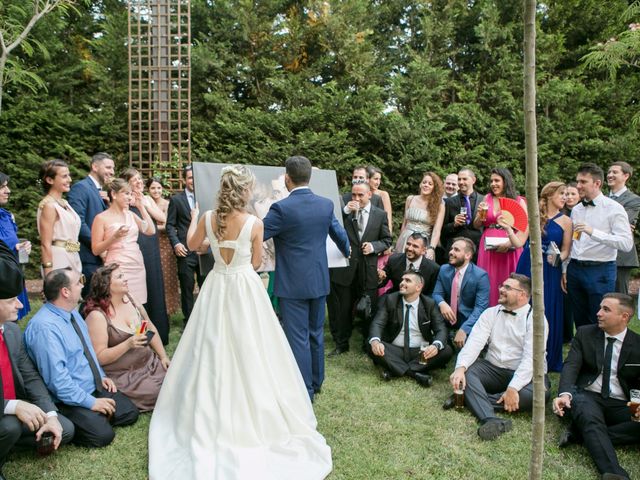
{"x":408,"y":335}
{"x":601,"y":368}
{"x":503,"y":378}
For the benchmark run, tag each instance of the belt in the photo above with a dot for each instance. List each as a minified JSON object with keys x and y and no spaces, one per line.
{"x":68,"y":245}
{"x":590,"y":263}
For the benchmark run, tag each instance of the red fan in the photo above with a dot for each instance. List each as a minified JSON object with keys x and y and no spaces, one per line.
{"x":514,"y":214}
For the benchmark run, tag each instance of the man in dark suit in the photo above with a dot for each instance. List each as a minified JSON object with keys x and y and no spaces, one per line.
{"x":360,"y":175}
{"x":368,"y":231}
{"x":406,"y":322}
{"x":413,"y":258}
{"x":617,"y":177}
{"x":459,"y":224}
{"x":88,"y":199}
{"x":299,"y":225}
{"x":178,"y":220}
{"x":601,"y":367}
{"x":472,"y":290}
{"x":26,"y":409}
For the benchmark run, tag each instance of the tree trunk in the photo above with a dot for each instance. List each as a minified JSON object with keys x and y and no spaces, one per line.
{"x":531,"y":156}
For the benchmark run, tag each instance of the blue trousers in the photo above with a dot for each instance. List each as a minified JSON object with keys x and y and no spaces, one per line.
{"x":303,"y":324}
{"x":586,"y":285}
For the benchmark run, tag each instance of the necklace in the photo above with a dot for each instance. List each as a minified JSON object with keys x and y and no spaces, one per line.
{"x":60,"y":201}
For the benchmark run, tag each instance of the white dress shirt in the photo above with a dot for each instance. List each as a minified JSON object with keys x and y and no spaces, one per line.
{"x":611,"y":231}
{"x":415,"y":335}
{"x":510,"y":339}
{"x":618,"y":193}
{"x":191,"y":199}
{"x":615,"y":389}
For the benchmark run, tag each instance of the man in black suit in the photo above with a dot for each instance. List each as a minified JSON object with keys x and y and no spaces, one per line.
{"x":460,"y":210}
{"x":360,"y":175}
{"x":413,"y":258}
{"x":406,"y":322}
{"x":602,"y":366}
{"x":368,"y":232}
{"x":178,"y":220}
{"x":27,"y":411}
{"x":617,"y":177}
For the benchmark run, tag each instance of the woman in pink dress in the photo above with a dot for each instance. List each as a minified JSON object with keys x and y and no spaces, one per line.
{"x":501,"y":260}
{"x":58,"y":224}
{"x":114,"y":236}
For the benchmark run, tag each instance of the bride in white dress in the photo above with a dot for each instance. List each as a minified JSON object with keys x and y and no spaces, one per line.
{"x":233,"y":404}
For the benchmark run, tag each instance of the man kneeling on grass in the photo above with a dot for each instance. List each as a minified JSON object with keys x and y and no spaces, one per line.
{"x":502,"y":380}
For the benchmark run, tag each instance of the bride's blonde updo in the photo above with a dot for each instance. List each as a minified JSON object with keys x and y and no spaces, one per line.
{"x":234,"y":183}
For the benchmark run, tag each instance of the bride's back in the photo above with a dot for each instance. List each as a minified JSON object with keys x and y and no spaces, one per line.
{"x":227,"y":246}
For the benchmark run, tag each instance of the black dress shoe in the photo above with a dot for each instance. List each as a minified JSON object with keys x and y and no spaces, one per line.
{"x":317,"y":390}
{"x":493,"y":428}
{"x":449,"y":403}
{"x":385,"y":375}
{"x":565,"y":438}
{"x":423,"y":379}
{"x":337,"y":351}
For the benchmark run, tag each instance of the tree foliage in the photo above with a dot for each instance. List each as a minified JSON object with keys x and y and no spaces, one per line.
{"x":405,"y":85}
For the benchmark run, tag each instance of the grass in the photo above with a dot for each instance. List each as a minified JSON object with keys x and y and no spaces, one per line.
{"x":388,"y":431}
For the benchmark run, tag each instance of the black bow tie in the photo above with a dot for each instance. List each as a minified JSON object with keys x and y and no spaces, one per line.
{"x":509,"y":312}
{"x":588,"y":203}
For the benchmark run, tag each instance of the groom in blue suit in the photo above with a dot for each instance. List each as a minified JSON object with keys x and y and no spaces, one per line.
{"x":88,"y":199}
{"x":299,"y":225}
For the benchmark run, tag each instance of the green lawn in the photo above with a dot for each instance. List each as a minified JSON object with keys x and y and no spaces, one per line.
{"x":387,"y":431}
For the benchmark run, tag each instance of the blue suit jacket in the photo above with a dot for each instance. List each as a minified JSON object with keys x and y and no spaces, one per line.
{"x":85,"y":199}
{"x":474,"y":293}
{"x":299,"y":225}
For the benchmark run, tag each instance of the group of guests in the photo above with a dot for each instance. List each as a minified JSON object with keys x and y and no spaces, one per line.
{"x":458,"y":281}
{"x":478,"y":302}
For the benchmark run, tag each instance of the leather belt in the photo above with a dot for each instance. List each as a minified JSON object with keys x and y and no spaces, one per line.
{"x":590,"y":263}
{"x":68,"y":245}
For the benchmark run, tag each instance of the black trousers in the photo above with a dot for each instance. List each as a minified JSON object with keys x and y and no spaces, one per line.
{"x":94,"y":429}
{"x":393,"y":360}
{"x":623,"y":274}
{"x":485,"y":385}
{"x":341,"y":303}
{"x":603,"y":423}
{"x":188,"y":270}
{"x":15,"y":434}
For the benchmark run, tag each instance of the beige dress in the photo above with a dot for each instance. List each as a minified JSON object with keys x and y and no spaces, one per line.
{"x":65,"y":228}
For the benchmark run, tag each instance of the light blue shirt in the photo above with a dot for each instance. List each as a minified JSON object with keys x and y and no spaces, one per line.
{"x":55,"y":348}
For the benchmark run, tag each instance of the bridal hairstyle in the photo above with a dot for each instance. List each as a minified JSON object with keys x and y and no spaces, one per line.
{"x":548,"y":191}
{"x":234,"y":183}
{"x":116,"y":185}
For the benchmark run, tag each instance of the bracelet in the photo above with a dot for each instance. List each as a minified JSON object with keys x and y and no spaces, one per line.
{"x":47,"y":265}
{"x":431,"y":247}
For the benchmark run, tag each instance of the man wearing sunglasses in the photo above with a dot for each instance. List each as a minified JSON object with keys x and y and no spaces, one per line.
{"x":502,"y":379}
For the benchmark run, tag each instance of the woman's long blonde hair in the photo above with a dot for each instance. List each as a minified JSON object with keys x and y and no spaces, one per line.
{"x":234,"y":183}
{"x":548,"y":191}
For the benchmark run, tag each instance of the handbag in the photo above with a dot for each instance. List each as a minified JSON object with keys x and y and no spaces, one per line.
{"x":363,"y":307}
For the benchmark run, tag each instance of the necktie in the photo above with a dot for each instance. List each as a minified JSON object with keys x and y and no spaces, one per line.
{"x":508,"y":312}
{"x":360,"y":220}
{"x":406,"y":351}
{"x":8,"y":387}
{"x":606,"y":368}
{"x":588,"y":203}
{"x":468,"y":205}
{"x":455,"y":293}
{"x":92,"y":364}
{"x":411,"y":268}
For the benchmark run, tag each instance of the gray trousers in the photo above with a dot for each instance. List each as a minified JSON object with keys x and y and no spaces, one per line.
{"x":485,"y":385}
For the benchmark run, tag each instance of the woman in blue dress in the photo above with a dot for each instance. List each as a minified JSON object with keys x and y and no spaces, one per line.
{"x":9,"y":235}
{"x":556,"y":228}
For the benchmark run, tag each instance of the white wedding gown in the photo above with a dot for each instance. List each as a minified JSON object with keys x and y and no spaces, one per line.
{"x":233,"y":404}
